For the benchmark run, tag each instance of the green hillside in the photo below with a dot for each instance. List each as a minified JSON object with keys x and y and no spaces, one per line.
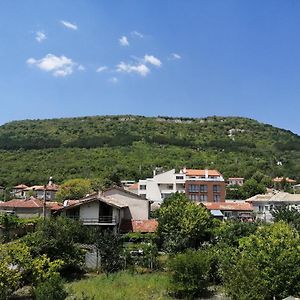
{"x":33,"y":150}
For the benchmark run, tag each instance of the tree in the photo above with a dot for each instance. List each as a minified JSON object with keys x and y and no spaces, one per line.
{"x":265,"y":265}
{"x":74,"y":189}
{"x":57,"y":239}
{"x":190,"y":273}
{"x":183,"y":224}
{"x":109,"y":247}
{"x":287,"y":214}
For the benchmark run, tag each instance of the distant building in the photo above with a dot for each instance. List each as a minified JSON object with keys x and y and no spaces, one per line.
{"x":133,"y":188}
{"x":238,"y":181}
{"x":264,"y":204}
{"x":198,"y":185}
{"x":284,"y":179}
{"x":18,"y":191}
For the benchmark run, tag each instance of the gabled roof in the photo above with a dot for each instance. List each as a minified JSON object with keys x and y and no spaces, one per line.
{"x":142,"y":226}
{"x":51,"y":187}
{"x":275,"y":197}
{"x":29,"y":203}
{"x":20,"y":187}
{"x":69,"y":204}
{"x":125,"y":192}
{"x":228,"y":206}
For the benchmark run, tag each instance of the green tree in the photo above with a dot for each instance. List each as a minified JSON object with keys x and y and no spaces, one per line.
{"x":190,"y":273}
{"x":183,"y":224}
{"x":287,"y":214}
{"x":74,"y":189}
{"x":57,"y":238}
{"x":109,"y":247}
{"x":265,"y":265}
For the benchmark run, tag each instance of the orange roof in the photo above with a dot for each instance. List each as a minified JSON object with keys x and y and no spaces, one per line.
{"x":134,"y":186}
{"x":195,"y":172}
{"x":139,"y":225}
{"x":52,"y":187}
{"x":228,"y":206}
{"x":280,"y":179}
{"x":29,"y":203}
{"x":20,"y":186}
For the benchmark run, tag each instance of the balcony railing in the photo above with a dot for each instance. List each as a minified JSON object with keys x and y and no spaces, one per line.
{"x":99,"y":220}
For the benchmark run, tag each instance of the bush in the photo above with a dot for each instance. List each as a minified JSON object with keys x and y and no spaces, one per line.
{"x":51,"y":289}
{"x":190,"y":273}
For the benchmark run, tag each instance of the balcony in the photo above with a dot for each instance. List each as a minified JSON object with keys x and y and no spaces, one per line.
{"x":103,"y":220}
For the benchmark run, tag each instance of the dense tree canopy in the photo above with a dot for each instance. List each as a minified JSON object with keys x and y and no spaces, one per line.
{"x":183,"y":224}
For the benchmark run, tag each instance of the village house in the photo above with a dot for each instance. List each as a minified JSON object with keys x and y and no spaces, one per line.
{"x":109,"y":208}
{"x":263,"y":204}
{"x":239,"y":210}
{"x":235,"y":181}
{"x":18,"y":191}
{"x":29,"y":208}
{"x":198,"y":185}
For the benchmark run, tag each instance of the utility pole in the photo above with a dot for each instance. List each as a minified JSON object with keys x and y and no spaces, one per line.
{"x":44,"y":202}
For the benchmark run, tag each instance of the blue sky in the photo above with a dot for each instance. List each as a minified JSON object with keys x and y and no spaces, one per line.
{"x":194,"y":58}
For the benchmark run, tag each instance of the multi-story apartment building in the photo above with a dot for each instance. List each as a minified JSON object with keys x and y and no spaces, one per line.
{"x":205,"y":185}
{"x":198,"y":185}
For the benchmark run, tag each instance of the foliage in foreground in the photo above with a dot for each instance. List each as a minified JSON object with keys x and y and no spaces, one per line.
{"x":123,"y":285}
{"x":183,"y":224}
{"x":265,"y":265}
{"x":190,"y":273}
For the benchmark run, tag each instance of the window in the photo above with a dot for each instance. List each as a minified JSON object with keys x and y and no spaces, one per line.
{"x":142,"y":187}
{"x":217,"y":198}
{"x":260,"y":208}
{"x":203,"y":197}
{"x":193,"y":197}
{"x":170,"y":186}
{"x":216,"y":188}
{"x":203,"y":188}
{"x":179,"y":177}
{"x":194,"y":188}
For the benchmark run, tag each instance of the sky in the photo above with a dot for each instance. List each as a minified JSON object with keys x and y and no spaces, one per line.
{"x":192,"y":58}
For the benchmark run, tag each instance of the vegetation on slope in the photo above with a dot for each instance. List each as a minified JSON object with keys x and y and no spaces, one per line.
{"x":131,"y":146}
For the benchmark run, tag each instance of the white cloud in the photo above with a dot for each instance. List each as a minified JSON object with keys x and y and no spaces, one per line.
{"x":69,"y":25}
{"x":175,"y":56}
{"x":59,"y":66}
{"x":113,"y":80}
{"x":136,"y":33}
{"x":123,"y":41}
{"x":152,"y":60}
{"x":140,"y":68}
{"x":81,"y":68}
{"x":40,"y":36}
{"x":101,"y":69}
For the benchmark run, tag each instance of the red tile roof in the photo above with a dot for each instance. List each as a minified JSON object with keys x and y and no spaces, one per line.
{"x":281,"y":179}
{"x":195,"y":172}
{"x":29,"y":203}
{"x":134,"y":186}
{"x":21,"y":186}
{"x":228,"y":206}
{"x":142,"y":226}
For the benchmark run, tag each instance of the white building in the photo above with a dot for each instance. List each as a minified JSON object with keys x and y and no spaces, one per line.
{"x":162,"y":185}
{"x":166,"y":183}
{"x":264,"y":204}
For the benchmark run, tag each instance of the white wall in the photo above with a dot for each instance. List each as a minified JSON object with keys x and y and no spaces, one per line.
{"x":89,"y":210}
{"x":138,"y":209}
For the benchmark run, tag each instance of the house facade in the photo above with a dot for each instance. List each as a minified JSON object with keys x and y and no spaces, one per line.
{"x":235,"y":181}
{"x":265,"y":203}
{"x":109,"y":208}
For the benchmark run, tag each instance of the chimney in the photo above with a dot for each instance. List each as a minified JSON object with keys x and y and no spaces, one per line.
{"x":50,"y":181}
{"x":206,"y":173}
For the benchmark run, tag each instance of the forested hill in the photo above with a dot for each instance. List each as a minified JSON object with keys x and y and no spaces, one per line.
{"x":131,"y":146}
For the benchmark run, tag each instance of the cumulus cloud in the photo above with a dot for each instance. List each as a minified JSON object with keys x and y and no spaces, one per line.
{"x":175,"y":56}
{"x":137,"y":34}
{"x":101,"y":69}
{"x":123,"y":41}
{"x":59,"y":66}
{"x":139,"y":68}
{"x":40,"y":36}
{"x":152,"y":60}
{"x":69,"y":25}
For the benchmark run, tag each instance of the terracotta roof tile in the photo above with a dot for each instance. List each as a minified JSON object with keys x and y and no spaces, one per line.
{"x":228,"y":206}
{"x":195,"y":172}
{"x":142,"y":226}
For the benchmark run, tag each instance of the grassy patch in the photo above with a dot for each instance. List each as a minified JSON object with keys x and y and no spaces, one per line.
{"x":123,"y":285}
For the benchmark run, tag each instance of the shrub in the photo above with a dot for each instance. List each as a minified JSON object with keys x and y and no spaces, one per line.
{"x":190,"y":273}
{"x":53,"y":288}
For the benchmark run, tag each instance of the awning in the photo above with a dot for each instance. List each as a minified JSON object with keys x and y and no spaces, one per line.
{"x":216,"y":213}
